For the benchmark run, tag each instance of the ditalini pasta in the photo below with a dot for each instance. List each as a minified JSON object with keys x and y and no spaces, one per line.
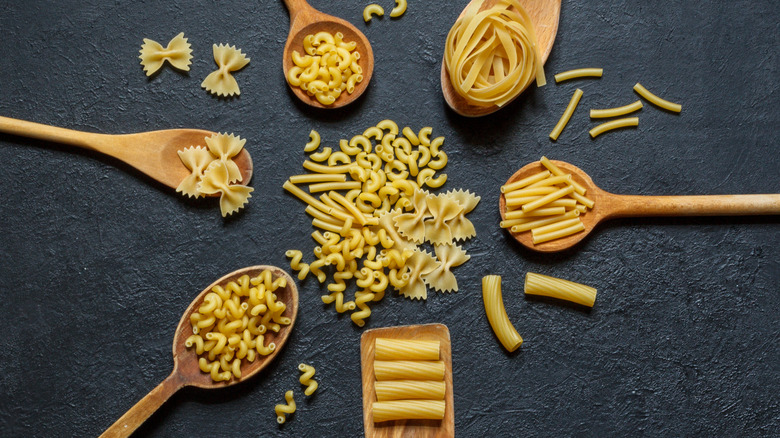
{"x":307,"y":379}
{"x":282,"y":410}
{"x":410,"y":390}
{"x":579,"y":73}
{"x":492,"y":55}
{"x":564,"y":120}
{"x":614,"y":124}
{"x":328,"y":67}
{"x":496,"y":313}
{"x":221,"y":82}
{"x":408,"y":410}
{"x":538,"y":284}
{"x":408,"y":370}
{"x":655,"y":100}
{"x":402,"y":349}
{"x":178,"y":53}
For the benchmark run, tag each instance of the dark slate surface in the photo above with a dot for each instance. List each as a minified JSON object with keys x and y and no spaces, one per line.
{"x":97,"y":262}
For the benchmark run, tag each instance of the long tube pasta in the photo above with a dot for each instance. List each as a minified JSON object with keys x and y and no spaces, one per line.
{"x":402,"y":349}
{"x":496,"y":313}
{"x":538,"y":284}
{"x":408,"y":410}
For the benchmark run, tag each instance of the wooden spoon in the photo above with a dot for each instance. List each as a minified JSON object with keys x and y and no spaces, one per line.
{"x":305,"y":20}
{"x":408,"y":428}
{"x":608,"y":206}
{"x":185,"y":362}
{"x":544,"y":16}
{"x":153,"y":153}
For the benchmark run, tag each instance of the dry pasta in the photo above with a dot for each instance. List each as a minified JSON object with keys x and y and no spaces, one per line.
{"x":655,"y":100}
{"x":399,"y":9}
{"x":371,"y":10}
{"x":614,"y":124}
{"x":410,"y":390}
{"x":564,"y":120}
{"x":538,"y":284}
{"x":579,"y":73}
{"x":496,"y":313}
{"x":221,"y":82}
{"x":408,"y":370}
{"x":178,"y":53}
{"x":282,"y":410}
{"x":408,"y":410}
{"x":307,"y":379}
{"x":616,"y":112}
{"x":492,"y":55}
{"x":328,"y":67}
{"x":401,"y":349}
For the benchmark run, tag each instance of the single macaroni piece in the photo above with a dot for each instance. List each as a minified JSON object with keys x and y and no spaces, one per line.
{"x":492,"y":55}
{"x":408,"y":410}
{"x":410,"y":390}
{"x":401,"y":349}
{"x":221,"y":82}
{"x":538,"y":284}
{"x":307,"y":380}
{"x":564,"y":120}
{"x":313,"y":143}
{"x":496,"y":313}
{"x":408,"y":370}
{"x":616,"y":112}
{"x":178,"y":53}
{"x":614,"y":124}
{"x":399,"y":9}
{"x":372,"y":9}
{"x":579,"y":73}
{"x":655,"y":100}
{"x":283,"y":410}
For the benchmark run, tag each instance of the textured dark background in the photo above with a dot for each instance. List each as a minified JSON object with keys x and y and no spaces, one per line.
{"x":97,"y":262}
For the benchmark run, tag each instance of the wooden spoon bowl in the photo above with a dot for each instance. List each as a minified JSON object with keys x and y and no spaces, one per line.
{"x":544,"y":16}
{"x":154,"y":153}
{"x":186,"y":371}
{"x":304,"y":21}
{"x":608,"y":205}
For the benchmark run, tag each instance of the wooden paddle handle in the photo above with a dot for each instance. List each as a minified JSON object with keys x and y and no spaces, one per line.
{"x":706,"y":205}
{"x":142,"y":410}
{"x":296,"y":6}
{"x":40,"y":131}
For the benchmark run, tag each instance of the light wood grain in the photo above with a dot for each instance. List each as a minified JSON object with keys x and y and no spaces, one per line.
{"x":154,"y":153}
{"x":544,"y":16}
{"x":609,"y":205}
{"x":305,"y":20}
{"x":407,"y":428}
{"x":186,"y":371}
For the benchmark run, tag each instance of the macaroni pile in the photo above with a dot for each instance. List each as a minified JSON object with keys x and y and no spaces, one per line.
{"x":328,"y":68}
{"x":370,"y":213}
{"x":232,"y":322}
{"x":548,"y":204}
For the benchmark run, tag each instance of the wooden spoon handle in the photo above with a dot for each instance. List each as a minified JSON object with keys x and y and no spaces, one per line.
{"x":295,"y":7}
{"x":707,"y":205}
{"x":142,"y":410}
{"x":49,"y":133}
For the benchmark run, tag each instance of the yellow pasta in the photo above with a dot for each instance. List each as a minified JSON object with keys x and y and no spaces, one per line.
{"x":399,"y":9}
{"x":307,"y":379}
{"x":557,"y":234}
{"x":410,"y":390}
{"x":178,"y":53}
{"x":282,"y":410}
{"x":408,"y":370}
{"x":496,"y":313}
{"x":372,"y":9}
{"x":655,"y":100}
{"x":401,"y":349}
{"x":564,"y":120}
{"x":579,"y":73}
{"x":508,"y":188}
{"x":538,"y":284}
{"x":215,"y":180}
{"x":221,"y":82}
{"x":614,"y":124}
{"x":408,"y":410}
{"x":492,"y":55}
{"x":317,"y":178}
{"x":616,"y":112}
{"x":295,"y":263}
{"x":558,"y":172}
{"x":324,"y":72}
{"x":314,"y":141}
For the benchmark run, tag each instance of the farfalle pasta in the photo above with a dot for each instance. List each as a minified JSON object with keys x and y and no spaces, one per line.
{"x":442,"y":210}
{"x":216,"y":179}
{"x":221,"y":82}
{"x":178,"y":53}
{"x":442,"y":278}
{"x":411,"y":225}
{"x":460,"y":226}
{"x":197,"y":159}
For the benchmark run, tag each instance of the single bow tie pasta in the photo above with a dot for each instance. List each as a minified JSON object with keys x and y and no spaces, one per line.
{"x":221,"y":82}
{"x":178,"y":53}
{"x":215,"y":180}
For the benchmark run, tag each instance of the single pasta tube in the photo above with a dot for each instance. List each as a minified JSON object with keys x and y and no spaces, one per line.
{"x":408,"y":370}
{"x":568,"y":231}
{"x":408,"y":410}
{"x":410,"y":389}
{"x":614,"y":124}
{"x":558,"y":172}
{"x":564,"y":120}
{"x":496,"y":313}
{"x":525,"y":182}
{"x":541,"y":222}
{"x":615,"y":112}
{"x":400,"y":349}
{"x":579,"y":73}
{"x":655,"y":100}
{"x":538,"y":284}
{"x":533,"y":205}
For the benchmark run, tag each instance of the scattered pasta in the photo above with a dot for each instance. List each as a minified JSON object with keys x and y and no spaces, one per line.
{"x":307,"y":379}
{"x":616,"y":112}
{"x":399,"y":9}
{"x":579,"y":73}
{"x":492,"y":55}
{"x":282,"y":410}
{"x":538,"y":284}
{"x":371,"y":10}
{"x":221,"y":82}
{"x":564,"y":120}
{"x":614,"y":124}
{"x":496,"y":313}
{"x":178,"y":53}
{"x":655,"y":100}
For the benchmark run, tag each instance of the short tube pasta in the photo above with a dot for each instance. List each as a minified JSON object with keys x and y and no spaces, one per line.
{"x":538,"y":284}
{"x":408,"y":370}
{"x":282,"y":410}
{"x":401,"y":349}
{"x":408,"y":410}
{"x":564,"y":120}
{"x":372,"y":9}
{"x":616,"y":112}
{"x":579,"y":73}
{"x":496,"y":313}
{"x":399,"y":9}
{"x":307,"y":379}
{"x":614,"y":124}
{"x":655,"y":100}
{"x":410,"y":389}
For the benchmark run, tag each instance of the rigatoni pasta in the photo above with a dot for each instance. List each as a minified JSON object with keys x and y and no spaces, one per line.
{"x":496,"y":313}
{"x":410,"y":390}
{"x":402,"y":349}
{"x":408,"y":370}
{"x":538,"y":284}
{"x":408,"y":410}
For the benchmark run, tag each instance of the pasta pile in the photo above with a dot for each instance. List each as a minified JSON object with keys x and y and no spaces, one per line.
{"x":409,"y":380}
{"x":492,"y":55}
{"x":221,"y":82}
{"x":232,"y":323}
{"x":178,"y":53}
{"x":372,"y":214}
{"x":214,"y":171}
{"x":548,"y":204}
{"x":609,"y":112}
{"x":538,"y":284}
{"x":328,"y":68}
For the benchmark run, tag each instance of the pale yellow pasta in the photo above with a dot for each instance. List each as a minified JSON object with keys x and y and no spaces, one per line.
{"x":544,"y":200}
{"x":314,"y":141}
{"x":322,"y":155}
{"x":555,"y":226}
{"x":538,"y":284}
{"x":371,"y":10}
{"x":399,"y":9}
{"x":408,"y":370}
{"x":616,"y":112}
{"x":296,"y":264}
{"x":564,"y":120}
{"x":197,"y":159}
{"x":307,"y":379}
{"x":216,"y":180}
{"x":579,"y":73}
{"x":178,"y":53}
{"x":655,"y":100}
{"x":402,"y":349}
{"x":558,"y":172}
{"x":328,"y":186}
{"x":317,"y":177}
{"x":221,"y":82}
{"x":410,"y":390}
{"x":496,"y":313}
{"x":408,"y":410}
{"x":614,"y":124}
{"x":325,"y":70}
{"x":282,"y":410}
{"x":568,"y":231}
{"x":507,"y":188}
